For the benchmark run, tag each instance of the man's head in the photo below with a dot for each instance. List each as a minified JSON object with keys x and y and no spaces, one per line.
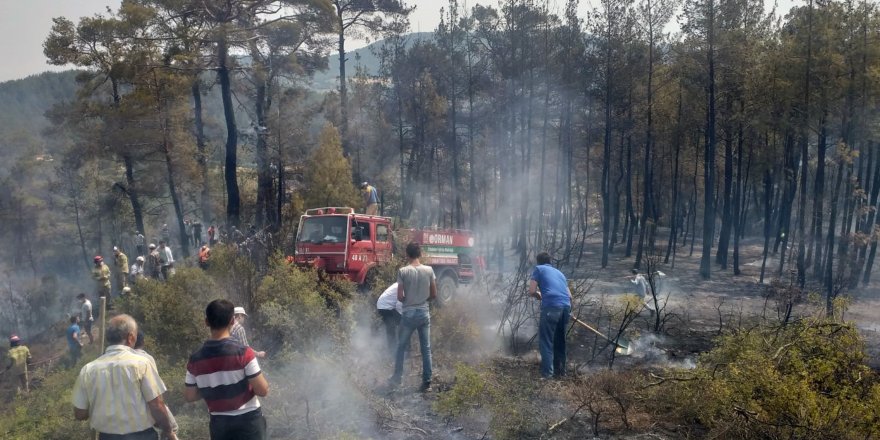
{"x":240,"y":314}
{"x":635,"y":271}
{"x":364,"y":185}
{"x":137,"y":232}
{"x":140,"y":261}
{"x":116,"y":251}
{"x":152,"y":246}
{"x":218,"y":314}
{"x":74,"y":319}
{"x":81,"y":297}
{"x":14,"y":341}
{"x":543,"y":258}
{"x":413,"y":250}
{"x":161,"y":244}
{"x":98,"y":260}
{"x":121,"y":330}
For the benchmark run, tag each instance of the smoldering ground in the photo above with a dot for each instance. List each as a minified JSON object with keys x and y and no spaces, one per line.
{"x":339,"y":388}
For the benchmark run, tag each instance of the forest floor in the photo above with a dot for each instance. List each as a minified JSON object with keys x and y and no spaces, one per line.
{"x":697,"y":311}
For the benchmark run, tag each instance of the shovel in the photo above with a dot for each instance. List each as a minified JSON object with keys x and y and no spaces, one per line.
{"x":622,"y":346}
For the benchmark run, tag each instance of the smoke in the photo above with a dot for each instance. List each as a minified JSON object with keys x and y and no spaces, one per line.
{"x":648,"y":350}
{"x":30,"y":306}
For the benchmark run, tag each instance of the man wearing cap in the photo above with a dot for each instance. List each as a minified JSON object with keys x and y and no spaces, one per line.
{"x":238,"y":332}
{"x":120,"y":393}
{"x":18,"y":357}
{"x":154,"y":262}
{"x":138,"y":271}
{"x":101,"y":275}
{"x":121,"y":262}
{"x":371,"y":199}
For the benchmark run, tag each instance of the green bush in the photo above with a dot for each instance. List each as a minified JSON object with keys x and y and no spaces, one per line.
{"x":807,"y":380}
{"x":297,"y":312}
{"x":46,"y":413}
{"x":173,"y":312}
{"x":470,"y":391}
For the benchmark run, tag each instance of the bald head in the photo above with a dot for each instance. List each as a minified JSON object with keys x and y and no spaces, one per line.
{"x":121,"y":330}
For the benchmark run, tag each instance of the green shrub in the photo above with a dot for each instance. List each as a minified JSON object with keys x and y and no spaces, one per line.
{"x":46,"y":413}
{"x":807,"y":380}
{"x":173,"y":312}
{"x":296,"y":311}
{"x":470,"y":391}
{"x":455,"y":327}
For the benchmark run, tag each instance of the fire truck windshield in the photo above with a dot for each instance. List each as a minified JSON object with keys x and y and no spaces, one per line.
{"x":329,"y":229}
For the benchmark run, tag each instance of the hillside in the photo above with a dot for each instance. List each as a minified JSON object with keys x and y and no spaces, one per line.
{"x":24,"y":102}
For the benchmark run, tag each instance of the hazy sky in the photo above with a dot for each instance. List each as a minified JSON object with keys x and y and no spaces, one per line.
{"x":24,"y":25}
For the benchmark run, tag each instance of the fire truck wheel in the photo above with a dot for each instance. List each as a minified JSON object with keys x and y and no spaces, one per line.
{"x":446,"y":289}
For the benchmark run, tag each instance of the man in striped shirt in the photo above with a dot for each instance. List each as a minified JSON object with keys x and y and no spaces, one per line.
{"x":121,"y":391}
{"x":227,"y":375}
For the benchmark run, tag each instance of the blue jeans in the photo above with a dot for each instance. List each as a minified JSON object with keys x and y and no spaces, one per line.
{"x":414,"y":320}
{"x":551,"y":340}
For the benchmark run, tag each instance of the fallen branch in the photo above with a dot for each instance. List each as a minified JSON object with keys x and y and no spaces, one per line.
{"x":661,"y":380}
{"x":556,"y":425}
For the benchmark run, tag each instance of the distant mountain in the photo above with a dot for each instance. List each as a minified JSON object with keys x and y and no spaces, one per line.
{"x":364,"y":57}
{"x":24,"y":102}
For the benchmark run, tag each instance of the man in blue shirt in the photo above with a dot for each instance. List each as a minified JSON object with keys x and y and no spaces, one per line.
{"x":555,"y":300}
{"x":74,"y":343}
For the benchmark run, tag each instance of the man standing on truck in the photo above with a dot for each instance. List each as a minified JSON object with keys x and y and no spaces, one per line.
{"x":555,"y":300}
{"x":416,"y":285}
{"x":371,"y":199}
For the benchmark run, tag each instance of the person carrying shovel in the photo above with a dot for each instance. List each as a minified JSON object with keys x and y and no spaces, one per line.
{"x":550,"y":286}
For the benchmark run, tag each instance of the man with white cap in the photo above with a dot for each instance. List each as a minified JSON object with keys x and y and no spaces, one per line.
{"x":238,"y":333}
{"x":138,"y":271}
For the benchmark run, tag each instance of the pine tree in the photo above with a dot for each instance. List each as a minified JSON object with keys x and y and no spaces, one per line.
{"x":328,"y":174}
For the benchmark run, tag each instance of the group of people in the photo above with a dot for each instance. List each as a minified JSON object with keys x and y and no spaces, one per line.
{"x":158,"y":264}
{"x":224,"y":372}
{"x":403,"y":308}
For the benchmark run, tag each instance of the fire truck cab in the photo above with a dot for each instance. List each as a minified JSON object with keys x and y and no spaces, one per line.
{"x":340,"y":242}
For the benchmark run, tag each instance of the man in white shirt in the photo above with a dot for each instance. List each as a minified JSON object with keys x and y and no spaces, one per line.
{"x":86,"y":318}
{"x":389,"y":309}
{"x":138,"y":271}
{"x":167,"y":260}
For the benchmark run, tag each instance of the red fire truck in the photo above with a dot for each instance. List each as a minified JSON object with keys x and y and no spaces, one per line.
{"x":340,"y":242}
